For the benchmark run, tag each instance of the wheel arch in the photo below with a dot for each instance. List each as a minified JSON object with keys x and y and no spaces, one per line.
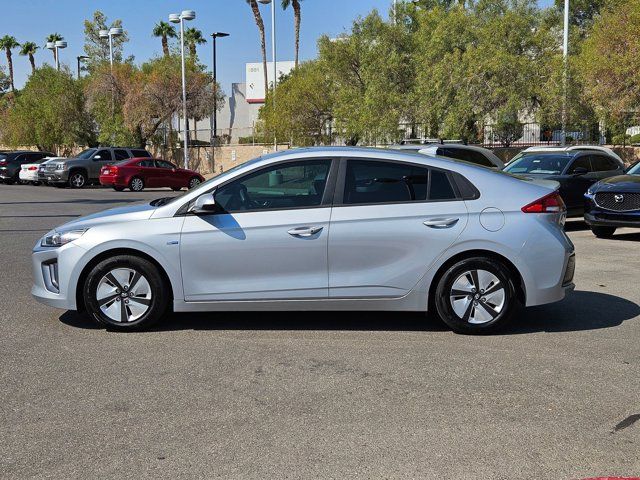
{"x":110,"y":253}
{"x":519,"y":284}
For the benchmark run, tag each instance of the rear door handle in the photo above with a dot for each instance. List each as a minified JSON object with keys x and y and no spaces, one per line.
{"x":441,"y":222}
{"x":304,"y":231}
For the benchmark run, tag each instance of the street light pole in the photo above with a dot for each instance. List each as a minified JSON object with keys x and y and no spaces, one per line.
{"x":565,"y":66}
{"x":112,"y":32}
{"x":80,"y":58}
{"x":59,"y":44}
{"x":175,"y":18}
{"x":214,"y":115}
{"x":273,"y":58}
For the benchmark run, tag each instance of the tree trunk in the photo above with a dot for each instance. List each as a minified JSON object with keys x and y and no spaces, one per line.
{"x":192,"y":50}
{"x":260,"y":24}
{"x":297,"y":18}
{"x":165,"y":46}
{"x":10,"y":63}
{"x":33,"y":63}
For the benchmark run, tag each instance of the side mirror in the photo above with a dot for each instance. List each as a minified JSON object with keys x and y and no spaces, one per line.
{"x":578,"y":171}
{"x":205,"y":204}
{"x":97,"y":157}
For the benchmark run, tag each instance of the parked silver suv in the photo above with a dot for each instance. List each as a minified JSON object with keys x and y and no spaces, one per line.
{"x":76,"y":172}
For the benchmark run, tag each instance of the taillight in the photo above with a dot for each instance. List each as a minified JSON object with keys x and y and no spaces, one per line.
{"x":551,"y":203}
{"x":32,"y":168}
{"x":3,"y":163}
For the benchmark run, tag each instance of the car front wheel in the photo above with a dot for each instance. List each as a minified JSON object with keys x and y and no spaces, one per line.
{"x":77,"y":180}
{"x":603,"y":232}
{"x":126,"y":292}
{"x":476,"y":296}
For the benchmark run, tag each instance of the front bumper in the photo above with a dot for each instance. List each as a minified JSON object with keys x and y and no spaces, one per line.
{"x":599,"y":217}
{"x":56,"y":176}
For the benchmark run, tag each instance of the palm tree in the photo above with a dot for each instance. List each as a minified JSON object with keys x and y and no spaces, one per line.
{"x":296,"y":16}
{"x":165,"y":31}
{"x":192,"y":38}
{"x":54,"y":37}
{"x":8,"y":43}
{"x":29,"y":48}
{"x":260,"y":24}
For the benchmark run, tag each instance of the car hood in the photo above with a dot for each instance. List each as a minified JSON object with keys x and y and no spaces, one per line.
{"x":619,"y":183}
{"x":138,"y":211}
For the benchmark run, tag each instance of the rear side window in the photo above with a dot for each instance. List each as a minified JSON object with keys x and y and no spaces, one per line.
{"x":140,"y":153}
{"x":602,"y":163}
{"x":147,"y":163}
{"x":164,"y":164}
{"x":120,"y":154}
{"x":369,"y":182}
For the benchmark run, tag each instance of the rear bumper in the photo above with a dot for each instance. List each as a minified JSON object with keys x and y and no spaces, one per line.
{"x":57,"y":176}
{"x":112,"y":181}
{"x":28,"y":176}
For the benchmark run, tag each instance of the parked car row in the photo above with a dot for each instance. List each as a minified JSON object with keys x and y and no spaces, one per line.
{"x":117,"y":167}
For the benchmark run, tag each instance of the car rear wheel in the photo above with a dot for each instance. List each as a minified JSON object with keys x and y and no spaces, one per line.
{"x":126,"y":292}
{"x":136,"y":184}
{"x":194,"y":182}
{"x":77,"y":180}
{"x":603,"y":232}
{"x":476,"y":296}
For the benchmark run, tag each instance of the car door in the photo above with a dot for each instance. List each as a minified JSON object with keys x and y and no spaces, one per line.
{"x":389,"y":224}
{"x":270,"y":239}
{"x":149,"y":173}
{"x":100,"y":159}
{"x":169,"y":175}
{"x":578,"y":177}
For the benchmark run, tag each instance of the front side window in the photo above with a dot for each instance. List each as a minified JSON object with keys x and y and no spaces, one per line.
{"x":289,"y":185}
{"x":86,"y":154}
{"x":580,"y":163}
{"x":368,"y":182}
{"x":103,"y":154}
{"x":538,"y":163}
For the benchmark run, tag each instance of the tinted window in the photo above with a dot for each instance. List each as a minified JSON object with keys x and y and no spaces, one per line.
{"x":164,"y":164}
{"x":120,"y":154}
{"x":292,"y":185}
{"x":381,"y":182}
{"x":580,"y":162}
{"x":140,"y":153}
{"x":471,"y":156}
{"x":147,"y":163}
{"x":541,"y":163}
{"x":602,"y":163}
{"x":88,"y":153}
{"x":104,"y":155}
{"x":441,"y":151}
{"x":634,"y":170}
{"x":440,"y":187}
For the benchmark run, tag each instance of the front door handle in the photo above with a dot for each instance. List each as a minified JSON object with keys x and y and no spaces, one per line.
{"x":304,"y":231}
{"x":441,"y":222}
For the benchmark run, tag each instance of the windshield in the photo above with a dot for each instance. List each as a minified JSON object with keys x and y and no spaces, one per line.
{"x":539,"y":163}
{"x":2,"y":156}
{"x":634,"y":170}
{"x":87,"y":153}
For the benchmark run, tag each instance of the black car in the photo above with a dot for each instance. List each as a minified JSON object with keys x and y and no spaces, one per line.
{"x":575,"y":170}
{"x":613,"y":203}
{"x":10,"y":163}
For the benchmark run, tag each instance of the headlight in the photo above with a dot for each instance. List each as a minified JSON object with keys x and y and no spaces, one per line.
{"x":57,"y":239}
{"x":591,"y":190}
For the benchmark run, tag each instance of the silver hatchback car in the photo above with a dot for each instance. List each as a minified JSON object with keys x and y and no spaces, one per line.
{"x":320,"y":229}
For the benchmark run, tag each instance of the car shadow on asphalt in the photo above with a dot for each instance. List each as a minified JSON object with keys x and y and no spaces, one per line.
{"x":580,"y":310}
{"x":576,"y":226}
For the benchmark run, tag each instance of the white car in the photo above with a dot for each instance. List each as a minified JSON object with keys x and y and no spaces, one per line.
{"x":572,"y":148}
{"x":320,"y":229}
{"x":29,"y":171}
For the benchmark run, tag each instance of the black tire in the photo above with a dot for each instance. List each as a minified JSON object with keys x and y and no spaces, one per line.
{"x":603,"y":232}
{"x":477,"y":314}
{"x":77,"y":179}
{"x":193,"y":182}
{"x":35,"y":184}
{"x":157,"y":303}
{"x":136,"y":184}
{"x":118,"y":189}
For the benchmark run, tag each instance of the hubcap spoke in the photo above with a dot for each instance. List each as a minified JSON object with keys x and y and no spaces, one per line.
{"x":124,"y":295}
{"x":109,"y":276}
{"x":477,"y":296}
{"x":108,"y":299}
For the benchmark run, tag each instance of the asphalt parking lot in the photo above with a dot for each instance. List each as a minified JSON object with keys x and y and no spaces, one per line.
{"x":344,"y":395}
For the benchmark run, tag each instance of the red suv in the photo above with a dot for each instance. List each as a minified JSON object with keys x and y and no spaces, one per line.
{"x":138,"y":173}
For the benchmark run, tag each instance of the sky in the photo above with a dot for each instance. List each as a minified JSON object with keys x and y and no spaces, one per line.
{"x":33,"y":20}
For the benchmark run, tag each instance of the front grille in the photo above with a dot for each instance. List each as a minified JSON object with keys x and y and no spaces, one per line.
{"x":50,"y":276}
{"x":618,"y":202}
{"x":51,"y":167}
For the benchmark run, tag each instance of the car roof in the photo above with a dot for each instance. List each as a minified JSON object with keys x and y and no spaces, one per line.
{"x":574,"y":148}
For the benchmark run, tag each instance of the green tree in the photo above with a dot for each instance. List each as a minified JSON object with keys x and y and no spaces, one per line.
{"x":8,"y":43}
{"x":263,"y":47}
{"x":49,"y":112}
{"x":96,"y":48}
{"x":609,"y":62}
{"x":29,"y":49}
{"x":54,"y":37}
{"x":165,"y":31}
{"x":192,"y":38}
{"x":297,"y":17}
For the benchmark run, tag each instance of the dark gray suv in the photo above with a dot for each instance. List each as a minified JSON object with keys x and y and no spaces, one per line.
{"x":76,"y":172}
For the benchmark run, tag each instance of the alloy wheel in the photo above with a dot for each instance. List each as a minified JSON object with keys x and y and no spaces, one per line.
{"x":77,"y":180}
{"x":194,"y":182}
{"x":477,"y":296}
{"x":124,"y":295}
{"x":137,"y":184}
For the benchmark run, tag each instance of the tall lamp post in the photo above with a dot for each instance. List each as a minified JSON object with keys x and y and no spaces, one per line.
{"x":80,"y":58}
{"x":112,"y":32}
{"x":273,"y":56}
{"x":565,"y":66}
{"x":175,"y":18}
{"x":56,"y":46}
{"x":214,"y":115}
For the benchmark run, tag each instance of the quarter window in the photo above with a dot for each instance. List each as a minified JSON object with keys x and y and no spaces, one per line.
{"x":290,"y":185}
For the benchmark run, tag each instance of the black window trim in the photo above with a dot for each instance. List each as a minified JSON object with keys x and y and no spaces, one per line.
{"x":338,"y":197}
{"x":327,"y":196}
